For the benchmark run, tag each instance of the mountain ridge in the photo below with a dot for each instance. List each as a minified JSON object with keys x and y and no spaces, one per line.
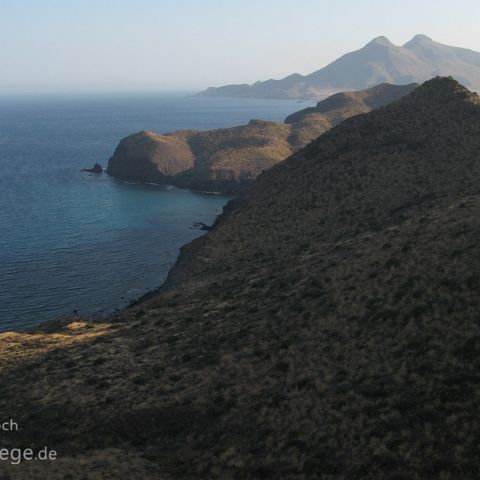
{"x":379,"y":61}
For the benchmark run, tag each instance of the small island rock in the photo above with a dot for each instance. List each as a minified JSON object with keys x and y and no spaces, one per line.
{"x":97,"y":168}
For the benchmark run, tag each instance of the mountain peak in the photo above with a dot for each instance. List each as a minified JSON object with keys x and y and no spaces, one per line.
{"x":417,"y":40}
{"x":443,"y":90}
{"x":379,"y":61}
{"x":381,"y":41}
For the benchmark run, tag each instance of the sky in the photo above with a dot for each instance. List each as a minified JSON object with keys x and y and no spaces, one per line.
{"x":50,"y":46}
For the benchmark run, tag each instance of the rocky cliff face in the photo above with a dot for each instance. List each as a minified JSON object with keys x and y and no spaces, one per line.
{"x":229,"y":159}
{"x":326,"y":327}
{"x":148,"y":157}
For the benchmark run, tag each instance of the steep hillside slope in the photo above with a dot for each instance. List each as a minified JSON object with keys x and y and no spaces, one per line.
{"x":326,"y":328}
{"x":229,"y":159}
{"x":379,"y":61}
{"x":327,"y":113}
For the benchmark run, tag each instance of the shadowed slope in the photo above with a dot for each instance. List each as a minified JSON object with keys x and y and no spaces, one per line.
{"x":309,"y":123}
{"x":326,"y":328}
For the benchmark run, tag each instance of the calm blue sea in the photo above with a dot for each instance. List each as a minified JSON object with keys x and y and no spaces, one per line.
{"x":76,"y":242}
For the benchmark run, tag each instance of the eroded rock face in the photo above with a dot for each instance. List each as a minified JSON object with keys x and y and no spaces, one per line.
{"x":149,"y":157}
{"x":223,"y":160}
{"x":230,"y":159}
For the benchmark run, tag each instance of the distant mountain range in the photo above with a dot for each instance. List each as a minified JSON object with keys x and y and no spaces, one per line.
{"x":377,"y":62}
{"x":229,"y":159}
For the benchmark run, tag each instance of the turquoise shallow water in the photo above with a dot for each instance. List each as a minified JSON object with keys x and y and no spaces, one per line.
{"x":71,"y":241}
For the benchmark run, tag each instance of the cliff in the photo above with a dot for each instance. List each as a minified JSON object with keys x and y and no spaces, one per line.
{"x":326,"y":327}
{"x":380,"y":61}
{"x":149,"y":157}
{"x":229,"y":159}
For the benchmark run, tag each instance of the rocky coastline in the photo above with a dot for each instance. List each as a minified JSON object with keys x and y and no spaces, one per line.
{"x":229,"y":160}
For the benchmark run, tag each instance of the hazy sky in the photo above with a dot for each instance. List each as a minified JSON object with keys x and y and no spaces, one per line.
{"x":120,"y":45}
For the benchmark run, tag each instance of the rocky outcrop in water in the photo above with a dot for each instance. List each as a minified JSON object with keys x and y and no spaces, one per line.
{"x":97,"y":168}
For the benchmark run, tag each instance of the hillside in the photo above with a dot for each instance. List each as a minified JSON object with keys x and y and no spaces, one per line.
{"x":377,"y":62}
{"x":229,"y":159}
{"x":325,"y":328}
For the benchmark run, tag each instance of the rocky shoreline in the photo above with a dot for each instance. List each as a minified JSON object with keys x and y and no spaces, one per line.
{"x":229,"y":160}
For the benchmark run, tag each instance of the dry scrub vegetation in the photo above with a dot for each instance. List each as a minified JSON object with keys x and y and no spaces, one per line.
{"x":326,"y":328}
{"x":229,"y":159}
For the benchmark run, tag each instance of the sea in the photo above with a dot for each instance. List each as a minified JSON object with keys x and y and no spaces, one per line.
{"x":79,"y":244}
